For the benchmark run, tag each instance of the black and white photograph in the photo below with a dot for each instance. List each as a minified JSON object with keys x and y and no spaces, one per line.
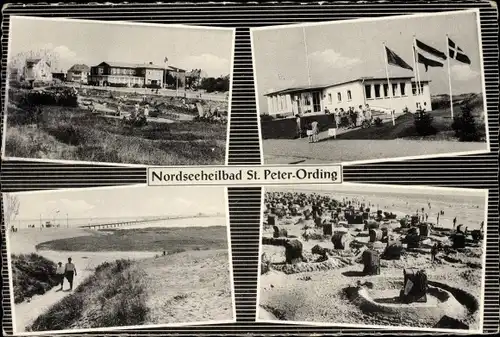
{"x":373,"y":256}
{"x":102,"y":259}
{"x":117,"y":93}
{"x":365,"y":90}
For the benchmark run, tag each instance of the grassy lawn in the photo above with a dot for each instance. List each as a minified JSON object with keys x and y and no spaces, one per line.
{"x":32,"y":275}
{"x":171,"y":240}
{"x":405,"y":128}
{"x":71,"y":133}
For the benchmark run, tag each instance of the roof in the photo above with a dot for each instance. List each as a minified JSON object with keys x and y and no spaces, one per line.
{"x":79,"y":67}
{"x":132,"y":65}
{"x":176,"y":69}
{"x":315,"y":87}
{"x":36,"y":60}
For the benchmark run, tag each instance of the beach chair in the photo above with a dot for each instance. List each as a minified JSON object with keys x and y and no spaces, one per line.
{"x":371,"y":262}
{"x":201,"y":112}
{"x":414,"y":286}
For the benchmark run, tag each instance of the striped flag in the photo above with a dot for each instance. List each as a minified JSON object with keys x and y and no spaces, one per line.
{"x":454,"y":52}
{"x":428,"y":56}
{"x":396,"y":60}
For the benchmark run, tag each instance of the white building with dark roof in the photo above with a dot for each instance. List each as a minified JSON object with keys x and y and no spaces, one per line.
{"x":401,"y":94}
{"x":78,"y":73}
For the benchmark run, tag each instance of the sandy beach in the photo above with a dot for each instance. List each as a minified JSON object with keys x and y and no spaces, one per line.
{"x":333,"y":288}
{"x":24,"y":241}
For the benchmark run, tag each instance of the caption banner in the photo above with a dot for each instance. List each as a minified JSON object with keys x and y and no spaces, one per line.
{"x":244,"y":175}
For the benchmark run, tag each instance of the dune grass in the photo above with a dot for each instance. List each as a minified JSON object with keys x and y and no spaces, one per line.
{"x":170,"y":240}
{"x":115,"y":295}
{"x":69,"y":133}
{"x":32,"y":275}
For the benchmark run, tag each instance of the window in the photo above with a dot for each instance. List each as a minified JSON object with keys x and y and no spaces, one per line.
{"x":377,"y":90}
{"x":402,"y":85}
{"x":386,"y":90}
{"x":330,"y":99}
{"x":339,"y":97}
{"x":368,"y":91}
{"x":349,"y":96}
{"x":413,"y":88}
{"x":395,"y":89}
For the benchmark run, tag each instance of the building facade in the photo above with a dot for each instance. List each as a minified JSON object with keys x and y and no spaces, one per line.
{"x":37,"y":70}
{"x":402,"y":93}
{"x":78,"y":73}
{"x":126,"y":74}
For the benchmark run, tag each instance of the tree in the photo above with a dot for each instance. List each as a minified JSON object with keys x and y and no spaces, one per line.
{"x":465,"y":125}
{"x":423,"y":124}
{"x":11,"y":208}
{"x":18,"y":61}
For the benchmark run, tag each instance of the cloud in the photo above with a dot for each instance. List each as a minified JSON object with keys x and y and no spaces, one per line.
{"x":64,"y":56}
{"x":463,"y":72}
{"x":74,"y":208}
{"x":213,"y":65}
{"x":331,"y":59}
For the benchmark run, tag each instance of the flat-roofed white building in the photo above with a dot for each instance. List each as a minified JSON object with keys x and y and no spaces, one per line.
{"x":402,"y":93}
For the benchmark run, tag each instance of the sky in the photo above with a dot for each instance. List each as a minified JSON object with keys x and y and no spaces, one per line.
{"x":94,"y":42}
{"x":123,"y":202}
{"x":346,"y":50}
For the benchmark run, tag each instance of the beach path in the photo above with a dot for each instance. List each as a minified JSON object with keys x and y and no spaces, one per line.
{"x":24,"y":242}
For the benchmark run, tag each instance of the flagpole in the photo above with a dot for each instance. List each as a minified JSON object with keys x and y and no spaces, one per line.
{"x":307,"y":56}
{"x":389,"y":89}
{"x":417,"y":89}
{"x":418,"y":72}
{"x":449,"y":78}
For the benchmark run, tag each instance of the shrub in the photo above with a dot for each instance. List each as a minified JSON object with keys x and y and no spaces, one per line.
{"x":465,"y":126}
{"x":153,"y":86}
{"x":136,"y":86}
{"x":423,"y":124}
{"x":32,"y":275}
{"x":378,"y":121}
{"x":266,"y":118}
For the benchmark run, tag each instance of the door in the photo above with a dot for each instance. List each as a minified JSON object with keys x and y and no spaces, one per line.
{"x":316,"y":101}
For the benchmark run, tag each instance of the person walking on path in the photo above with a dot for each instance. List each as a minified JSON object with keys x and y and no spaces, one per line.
{"x":70,"y":272}
{"x":60,"y":274}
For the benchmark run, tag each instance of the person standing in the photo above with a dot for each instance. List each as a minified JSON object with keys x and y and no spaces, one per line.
{"x":332,"y":129}
{"x":368,"y":113}
{"x":434,"y":251}
{"x":315,"y":131}
{"x":337,"y":117}
{"x":60,"y":274}
{"x":299,"y":126}
{"x":70,"y":272}
{"x":437,"y":222}
{"x":454,"y":222}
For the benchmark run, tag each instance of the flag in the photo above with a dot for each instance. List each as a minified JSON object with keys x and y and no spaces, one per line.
{"x":427,"y":62}
{"x":394,"y":59}
{"x":454,"y":52}
{"x":430,"y":50}
{"x":166,"y":59}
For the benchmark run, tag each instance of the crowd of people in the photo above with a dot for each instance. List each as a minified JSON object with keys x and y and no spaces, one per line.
{"x":339,"y":119}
